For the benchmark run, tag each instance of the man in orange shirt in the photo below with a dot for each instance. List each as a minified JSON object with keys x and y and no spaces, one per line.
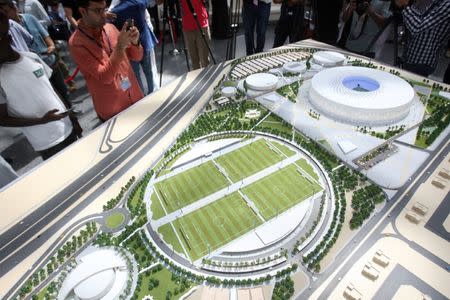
{"x":102,"y":54}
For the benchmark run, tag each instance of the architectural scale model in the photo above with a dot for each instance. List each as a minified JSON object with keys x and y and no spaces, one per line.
{"x":298,"y":173}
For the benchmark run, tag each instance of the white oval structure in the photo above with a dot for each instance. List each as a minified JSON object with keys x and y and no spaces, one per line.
{"x":328,"y":58}
{"x":101,"y":274}
{"x":294,"y":67}
{"x":361,"y":96}
{"x":229,"y":91}
{"x":262,"y":81}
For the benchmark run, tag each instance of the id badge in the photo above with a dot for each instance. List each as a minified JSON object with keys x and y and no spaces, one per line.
{"x":125,"y":83}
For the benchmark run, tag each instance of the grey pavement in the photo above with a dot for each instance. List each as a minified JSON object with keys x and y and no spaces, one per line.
{"x":401,"y":276}
{"x":396,"y":204}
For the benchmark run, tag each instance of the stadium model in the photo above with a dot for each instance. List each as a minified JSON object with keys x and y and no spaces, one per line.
{"x":361,"y":96}
{"x":271,"y":176}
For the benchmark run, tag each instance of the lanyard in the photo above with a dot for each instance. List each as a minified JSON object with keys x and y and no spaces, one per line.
{"x":95,"y":41}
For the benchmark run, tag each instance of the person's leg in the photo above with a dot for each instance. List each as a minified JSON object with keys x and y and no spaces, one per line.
{"x":146,"y":64}
{"x":249,"y":19}
{"x":154,"y":70}
{"x":191,"y":45}
{"x":203,"y":51}
{"x":47,"y":153}
{"x":420,"y":69}
{"x":153,"y":11}
{"x":136,"y":65}
{"x":57,"y":81}
{"x":281,"y":33}
{"x":446,"y":78}
{"x":261,"y":25}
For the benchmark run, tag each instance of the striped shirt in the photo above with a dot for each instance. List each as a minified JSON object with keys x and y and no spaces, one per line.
{"x":428,"y":32}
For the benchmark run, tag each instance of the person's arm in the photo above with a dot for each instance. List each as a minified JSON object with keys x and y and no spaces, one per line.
{"x":135,"y":52}
{"x":103,"y":72}
{"x":277,"y":1}
{"x":348,"y":10}
{"x":9,"y":121}
{"x":40,"y":13}
{"x":69,"y":16}
{"x":376,"y":17}
{"x":44,"y":33}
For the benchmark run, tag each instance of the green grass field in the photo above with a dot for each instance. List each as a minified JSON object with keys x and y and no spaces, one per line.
{"x":156,"y":206}
{"x":280,"y":191}
{"x":115,"y":220}
{"x":170,"y":237}
{"x":215,"y":224}
{"x":190,"y":186}
{"x":307,"y":168}
{"x":248,"y":160}
{"x":283,"y":148}
{"x":273,"y":123}
{"x":165,"y":284}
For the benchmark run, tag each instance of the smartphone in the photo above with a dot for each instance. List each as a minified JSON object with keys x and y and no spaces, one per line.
{"x":130,"y":23}
{"x":69,"y":110}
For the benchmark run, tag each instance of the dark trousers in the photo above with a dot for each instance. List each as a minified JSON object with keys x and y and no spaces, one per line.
{"x":57,"y":81}
{"x":255,"y":15}
{"x":289,"y":25}
{"x":153,"y":12}
{"x":420,"y":69}
{"x":447,"y":75}
{"x":47,"y":153}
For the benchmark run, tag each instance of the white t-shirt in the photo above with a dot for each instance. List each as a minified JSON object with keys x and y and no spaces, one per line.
{"x":27,"y":93}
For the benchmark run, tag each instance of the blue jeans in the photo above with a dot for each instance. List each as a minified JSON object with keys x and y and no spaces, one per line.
{"x":147,"y":68}
{"x":255,"y":15}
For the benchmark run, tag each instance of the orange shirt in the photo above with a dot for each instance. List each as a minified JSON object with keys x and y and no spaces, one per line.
{"x":105,"y":74}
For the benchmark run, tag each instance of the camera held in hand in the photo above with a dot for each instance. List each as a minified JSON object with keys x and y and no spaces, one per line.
{"x":361,"y":6}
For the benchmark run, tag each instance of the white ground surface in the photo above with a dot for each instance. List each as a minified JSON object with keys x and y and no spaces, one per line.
{"x":272,"y":231}
{"x":405,"y":162}
{"x":203,"y":148}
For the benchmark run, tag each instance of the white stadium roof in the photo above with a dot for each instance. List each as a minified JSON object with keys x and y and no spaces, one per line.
{"x":361,"y":95}
{"x":101,"y":274}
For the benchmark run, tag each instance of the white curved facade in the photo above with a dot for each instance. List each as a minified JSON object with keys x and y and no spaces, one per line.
{"x":361,"y":96}
{"x":328,"y":58}
{"x":262,"y":81}
{"x":101,"y":274}
{"x":295,"y":67}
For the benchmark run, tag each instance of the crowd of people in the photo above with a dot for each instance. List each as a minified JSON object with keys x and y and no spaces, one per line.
{"x":112,"y":43}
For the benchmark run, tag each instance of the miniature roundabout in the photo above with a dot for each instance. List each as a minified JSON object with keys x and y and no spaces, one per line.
{"x":237,"y":204}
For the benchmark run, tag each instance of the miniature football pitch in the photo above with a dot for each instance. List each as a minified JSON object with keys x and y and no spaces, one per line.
{"x":280,"y":191}
{"x":213,"y":225}
{"x":251,"y":158}
{"x":189,"y":186}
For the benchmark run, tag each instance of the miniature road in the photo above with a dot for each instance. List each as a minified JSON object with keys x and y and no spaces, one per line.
{"x":19,"y":241}
{"x":398,"y":201}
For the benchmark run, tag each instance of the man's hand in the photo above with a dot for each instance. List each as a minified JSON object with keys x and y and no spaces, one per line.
{"x":110,"y":16}
{"x":134,"y":32}
{"x":351,"y":6}
{"x":50,"y":49}
{"x":124,"y":39}
{"x":401,"y":3}
{"x":127,"y":36}
{"x":52,"y":115}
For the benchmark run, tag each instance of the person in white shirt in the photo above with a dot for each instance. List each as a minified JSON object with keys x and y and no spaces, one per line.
{"x":21,"y":39}
{"x":27,"y":99}
{"x":35,"y":8}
